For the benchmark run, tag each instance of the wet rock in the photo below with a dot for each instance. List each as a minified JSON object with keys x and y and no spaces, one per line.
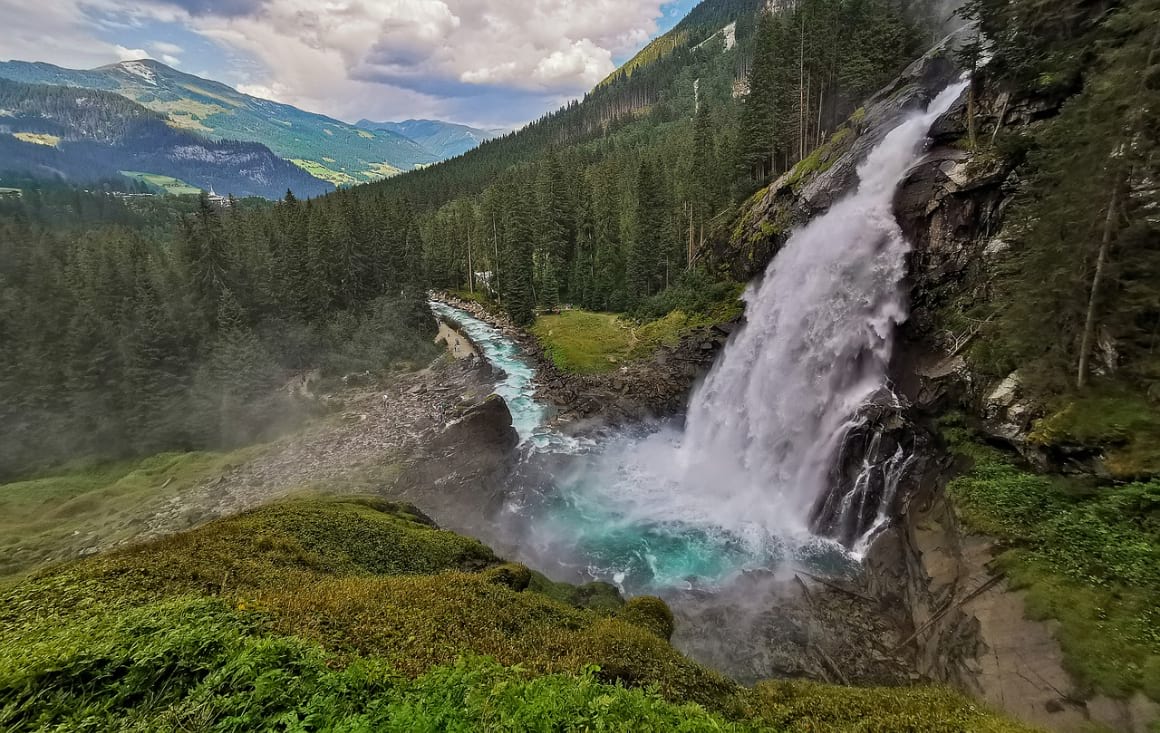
{"x":762,"y":626}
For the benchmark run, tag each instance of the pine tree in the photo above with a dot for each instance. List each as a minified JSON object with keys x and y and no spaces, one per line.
{"x":206,"y":256}
{"x":519,"y":286}
{"x":553,"y":230}
{"x":757,"y":136}
{"x":650,"y":241}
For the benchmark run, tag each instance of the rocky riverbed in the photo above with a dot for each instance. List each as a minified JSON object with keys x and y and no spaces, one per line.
{"x":383,"y":441}
{"x":653,"y":387}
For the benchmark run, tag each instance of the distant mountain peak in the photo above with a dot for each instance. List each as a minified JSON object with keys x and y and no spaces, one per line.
{"x":443,"y":139}
{"x":142,"y":69}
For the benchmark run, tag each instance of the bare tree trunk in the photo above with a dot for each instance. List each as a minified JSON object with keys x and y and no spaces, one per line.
{"x":821,"y":103}
{"x":1089,"y":329}
{"x":999,"y":122}
{"x":692,"y":239}
{"x":806,"y":134}
{"x":495,"y":242}
{"x":802,"y":94}
{"x":972,"y":140}
{"x":470,"y":269}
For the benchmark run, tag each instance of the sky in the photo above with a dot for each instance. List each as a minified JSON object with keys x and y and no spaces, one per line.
{"x":491,"y":63}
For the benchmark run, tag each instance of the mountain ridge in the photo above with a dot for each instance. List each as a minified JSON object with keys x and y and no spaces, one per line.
{"x":323,"y":146}
{"x":87,"y":134}
{"x":444,"y":139}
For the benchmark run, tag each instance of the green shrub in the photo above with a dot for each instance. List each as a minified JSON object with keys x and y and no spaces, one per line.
{"x":198,"y":665}
{"x":514,"y":576}
{"x":597,"y":596}
{"x":695,"y":294}
{"x":359,"y":615}
{"x":816,"y":708}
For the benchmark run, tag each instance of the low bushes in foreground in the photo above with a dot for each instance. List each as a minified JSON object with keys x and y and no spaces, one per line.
{"x":356,"y":614}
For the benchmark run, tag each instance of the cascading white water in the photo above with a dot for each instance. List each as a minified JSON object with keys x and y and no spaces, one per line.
{"x":735,"y":489}
{"x":763,"y":431}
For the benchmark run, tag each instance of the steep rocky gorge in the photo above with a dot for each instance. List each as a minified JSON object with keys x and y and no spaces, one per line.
{"x":930,"y":603}
{"x":968,"y":627}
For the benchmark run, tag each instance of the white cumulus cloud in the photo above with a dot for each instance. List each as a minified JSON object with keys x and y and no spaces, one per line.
{"x":360,"y":57}
{"x":132,"y":54}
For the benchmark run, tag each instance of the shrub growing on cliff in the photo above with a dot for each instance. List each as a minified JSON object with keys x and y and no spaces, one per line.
{"x":1089,"y":557}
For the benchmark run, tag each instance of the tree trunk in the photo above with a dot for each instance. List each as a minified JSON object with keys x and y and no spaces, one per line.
{"x":802,"y":94}
{"x":1089,"y":329}
{"x":470,"y":269}
{"x":821,"y":103}
{"x":692,"y":253}
{"x":495,"y":275}
{"x":971,"y":135}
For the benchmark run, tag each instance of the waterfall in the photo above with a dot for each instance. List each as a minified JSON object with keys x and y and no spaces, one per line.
{"x":764,"y":430}
{"x":787,"y":457}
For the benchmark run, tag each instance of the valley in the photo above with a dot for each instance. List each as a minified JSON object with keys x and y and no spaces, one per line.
{"x":798,"y":377}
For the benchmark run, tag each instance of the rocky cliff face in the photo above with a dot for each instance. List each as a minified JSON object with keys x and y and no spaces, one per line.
{"x":769,"y":217}
{"x":967,"y":625}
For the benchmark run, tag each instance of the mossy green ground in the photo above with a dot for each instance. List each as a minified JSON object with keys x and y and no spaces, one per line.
{"x":360,"y":615}
{"x":1088,"y":556}
{"x":476,"y":296}
{"x":1120,"y":422}
{"x":584,"y":342}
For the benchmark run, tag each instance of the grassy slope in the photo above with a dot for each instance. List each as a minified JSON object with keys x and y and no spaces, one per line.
{"x":360,"y":615}
{"x":587,"y":343}
{"x":1088,"y":557}
{"x":167,"y":184}
{"x":55,"y":516}
{"x":37,"y":138}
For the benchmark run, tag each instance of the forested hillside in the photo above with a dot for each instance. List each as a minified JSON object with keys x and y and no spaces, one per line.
{"x":137,"y":326}
{"x":607,"y":202}
{"x":84,"y":136}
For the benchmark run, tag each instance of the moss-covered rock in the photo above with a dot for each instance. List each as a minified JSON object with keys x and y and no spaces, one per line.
{"x":1121,"y":425}
{"x":650,"y":613}
{"x":512,"y":575}
{"x":597,"y":596}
